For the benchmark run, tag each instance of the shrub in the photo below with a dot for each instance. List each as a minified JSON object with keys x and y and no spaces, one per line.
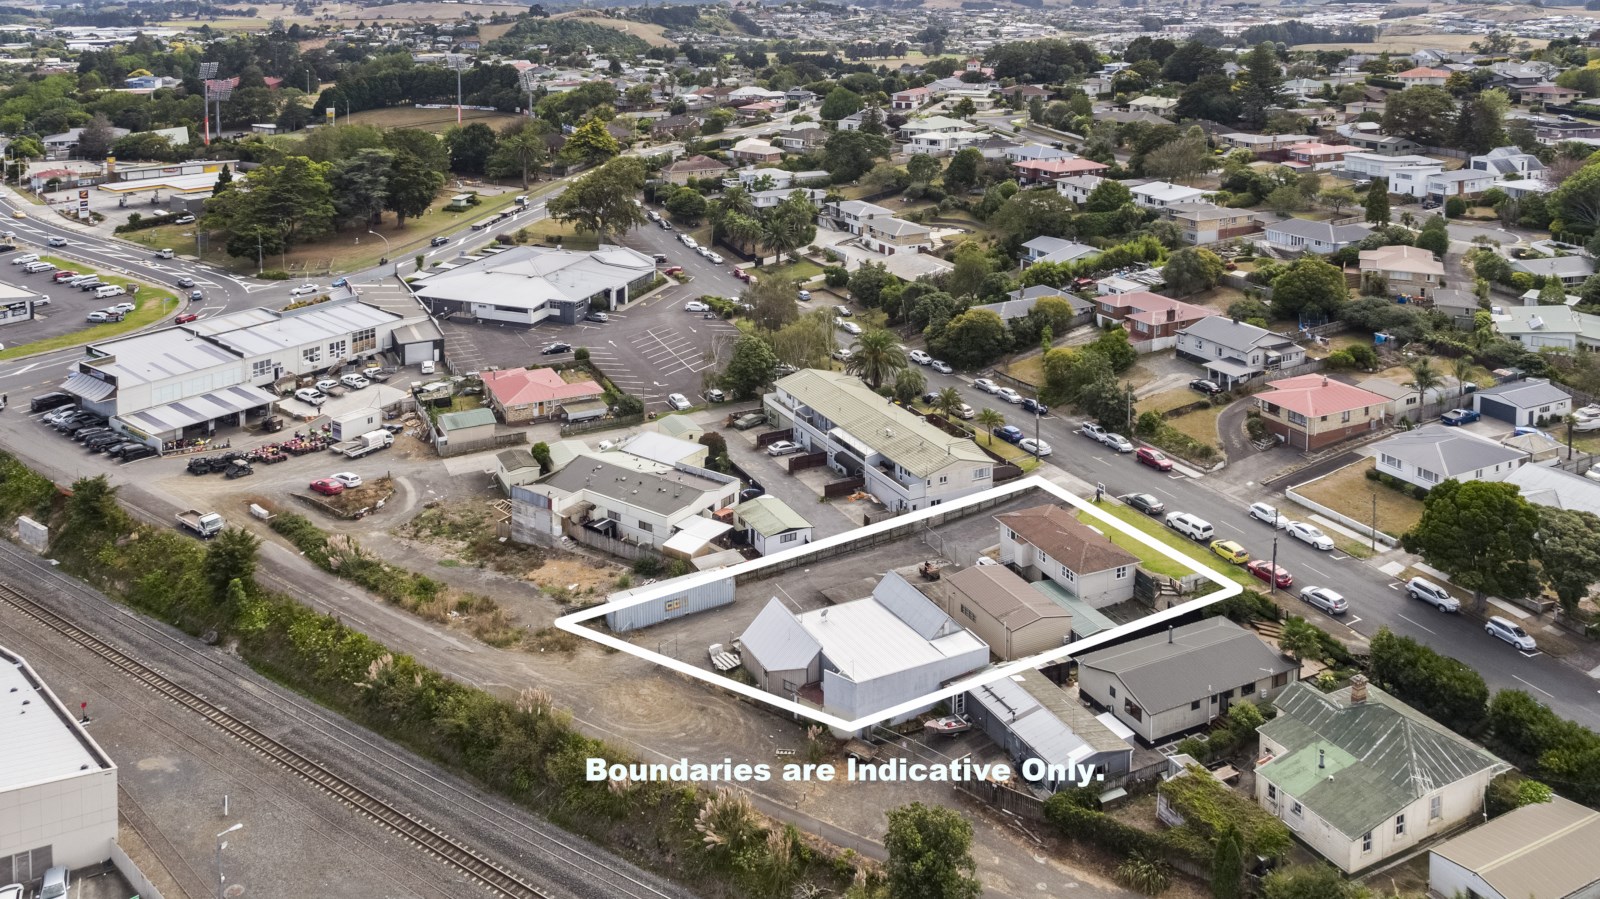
{"x":835,"y":276}
{"x":274,"y":274}
{"x":581,"y":354}
{"x":1256,"y":428}
{"x":1148,"y":875}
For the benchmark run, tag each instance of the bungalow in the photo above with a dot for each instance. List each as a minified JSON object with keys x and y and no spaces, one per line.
{"x":675,"y":126}
{"x":1507,"y":161}
{"x":978,"y":96}
{"x":1207,"y":223}
{"x":1523,"y":403}
{"x":1433,"y":454}
{"x":850,"y":215}
{"x":1023,"y":152}
{"x":766,"y":199}
{"x":1055,"y":249}
{"x":753,"y":150}
{"x":1548,"y":94}
{"x":1381,"y":144}
{"x":1019,"y":303}
{"x":1016,"y":620}
{"x":1460,"y":183}
{"x":1233,"y":351}
{"x":1461,"y":306}
{"x":1156,"y":105}
{"x":1307,"y":236}
{"x":1021,"y":95}
{"x":1264,"y":146}
{"x":1403,"y":397}
{"x":1310,"y":412}
{"x":521,"y":395}
{"x":932,"y":124}
{"x":1046,"y":171}
{"x":1408,"y":271}
{"x":1557,"y":327}
{"x":683,"y":170}
{"x":945,"y":143}
{"x":1161,"y":194}
{"x":1423,"y":76}
{"x":1077,"y":188}
{"x":1543,"y":850}
{"x":1151,"y":320}
{"x":801,"y":140}
{"x":912,"y":98}
{"x":1049,"y":543}
{"x":1319,"y":156}
{"x":1571,"y":271}
{"x":770,"y":525}
{"x":890,"y":235}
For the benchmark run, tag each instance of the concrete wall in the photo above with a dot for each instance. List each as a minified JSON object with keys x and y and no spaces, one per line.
{"x":75,"y":816}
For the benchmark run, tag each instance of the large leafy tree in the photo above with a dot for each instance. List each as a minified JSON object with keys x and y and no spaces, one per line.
{"x":602,"y":201}
{"x":412,"y":186}
{"x":1481,"y":124}
{"x":424,"y":145}
{"x":973,"y":339}
{"x":470,"y":148}
{"x":1377,"y":202}
{"x":790,"y":225}
{"x":1108,"y":196}
{"x":590,"y":143}
{"x":1309,"y":285}
{"x":961,"y":175}
{"x":1227,"y":865}
{"x":1260,"y":84}
{"x":1187,"y":157}
{"x":361,"y":186}
{"x":522,"y":149}
{"x":1425,"y":114}
{"x":773,"y":303}
{"x":751,"y":367}
{"x":840,"y":102}
{"x":1577,"y":200}
{"x":1482,"y":534}
{"x":876,"y":356}
{"x":850,"y":154}
{"x":231,"y":557}
{"x":285,"y":202}
{"x":1569,"y":553}
{"x":1191,"y":270}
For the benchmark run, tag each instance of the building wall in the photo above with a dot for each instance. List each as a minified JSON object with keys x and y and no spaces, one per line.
{"x":1446,"y":878}
{"x":1157,"y":726}
{"x":1008,"y":643}
{"x":1412,"y":474}
{"x":699,"y":598}
{"x":780,"y":542}
{"x":76,"y":817}
{"x":850,"y":700}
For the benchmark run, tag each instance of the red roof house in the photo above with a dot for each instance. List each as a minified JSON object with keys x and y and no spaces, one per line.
{"x":524,"y":395}
{"x":1312,"y":411}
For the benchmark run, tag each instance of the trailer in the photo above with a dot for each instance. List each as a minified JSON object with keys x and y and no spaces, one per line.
{"x":370,"y":442}
{"x":205,"y":525}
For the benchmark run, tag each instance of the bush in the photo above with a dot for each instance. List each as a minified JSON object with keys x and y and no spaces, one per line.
{"x":1455,"y":207}
{"x":137,"y":222}
{"x":835,"y":276}
{"x":1256,"y":428}
{"x":274,"y":274}
{"x":581,"y":354}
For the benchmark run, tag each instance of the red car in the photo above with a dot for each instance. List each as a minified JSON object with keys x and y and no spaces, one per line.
{"x":62,"y":276}
{"x":1154,"y":458}
{"x":672,"y":270}
{"x":327,"y":486}
{"x":1268,"y":572}
{"x":186,"y":318}
{"x":741,"y":274}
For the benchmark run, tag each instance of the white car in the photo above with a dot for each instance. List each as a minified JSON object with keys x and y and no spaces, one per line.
{"x":986,"y":385}
{"x":123,"y":308}
{"x":678,"y":401}
{"x":783,"y":448}
{"x":57,"y":241}
{"x":1118,"y":442}
{"x":696,"y":306}
{"x":1511,"y":632}
{"x":310,"y":395}
{"x":1311,"y":535}
{"x":1009,"y":395}
{"x":703,"y":251}
{"x":326,"y":385}
{"x":1269,"y":514}
{"x":304,"y":290}
{"x":919,"y":357}
{"x":716,"y":258}
{"x":850,"y":328}
{"x":349,"y":479}
{"x":1036,"y":447}
{"x":1093,"y":431}
{"x":805,"y":295}
{"x":941,"y":366}
{"x":843,"y":355}
{"x":25,"y":258}
{"x":688,"y":241}
{"x":1327,"y":600}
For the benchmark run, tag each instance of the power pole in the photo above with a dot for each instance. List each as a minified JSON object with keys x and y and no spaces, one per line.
{"x":1374,"y":521}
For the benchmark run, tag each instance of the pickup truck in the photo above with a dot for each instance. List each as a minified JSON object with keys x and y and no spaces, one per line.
{"x":204,"y":524}
{"x":370,"y":442}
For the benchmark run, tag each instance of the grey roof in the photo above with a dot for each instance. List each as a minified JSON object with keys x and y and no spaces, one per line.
{"x":778,"y":640}
{"x":1169,"y":669}
{"x":908,"y":604}
{"x":1451,"y":298}
{"x":1560,"y":266}
{"x":529,"y":277}
{"x":769,"y":516}
{"x":298,"y":328}
{"x":999,"y":591}
{"x":1357,"y":765}
{"x":469,"y":418}
{"x":1323,"y":231}
{"x":1461,"y":175}
{"x":903,"y":436}
{"x":897,"y":227}
{"x":1044,"y":734}
{"x":1235,"y":335}
{"x":1022,"y":301}
{"x":660,"y":492}
{"x":1540,"y":851}
{"x":156,"y":356}
{"x":1045,"y":244}
{"x":1447,"y":452}
{"x":1549,"y":486}
{"x":515,"y":460}
{"x":1527,"y":394}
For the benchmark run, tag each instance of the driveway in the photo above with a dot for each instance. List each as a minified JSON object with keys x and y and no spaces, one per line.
{"x":826,"y":520}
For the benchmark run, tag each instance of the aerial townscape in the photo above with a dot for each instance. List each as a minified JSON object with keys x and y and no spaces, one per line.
{"x":900,"y":449}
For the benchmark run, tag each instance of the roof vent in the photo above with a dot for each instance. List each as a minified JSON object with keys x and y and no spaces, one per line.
{"x":1535,"y":322}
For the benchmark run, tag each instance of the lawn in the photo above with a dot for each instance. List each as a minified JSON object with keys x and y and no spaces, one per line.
{"x":1348,"y":492}
{"x":801,"y":271}
{"x":153,"y":305}
{"x":1152,"y":527}
{"x":654,"y":35}
{"x":1170,"y":399}
{"x":1013,"y":454}
{"x":1030,"y":370}
{"x":438,"y":120}
{"x":1201,"y":425}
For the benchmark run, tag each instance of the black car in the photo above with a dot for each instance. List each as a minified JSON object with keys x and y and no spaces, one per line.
{"x":1034,"y":406}
{"x":1145,"y":503}
{"x":930,"y":397}
{"x":439,"y":241}
{"x":1207,"y":387}
{"x":556,"y":348}
{"x":138,"y":452}
{"x":103,"y":442}
{"x":44,"y":402}
{"x":751,"y":492}
{"x":665,"y":225}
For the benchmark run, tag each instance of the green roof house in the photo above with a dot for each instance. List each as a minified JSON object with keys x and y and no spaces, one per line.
{"x":770,"y":525}
{"x":1360,"y":776}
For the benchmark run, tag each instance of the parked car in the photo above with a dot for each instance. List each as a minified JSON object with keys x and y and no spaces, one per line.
{"x":1009,"y":395}
{"x":555,"y":349}
{"x":61,"y":276}
{"x":349,"y":479}
{"x":1118,"y":442}
{"x":1153,"y":457}
{"x":841,"y":311}
{"x":1230,"y":551}
{"x":123,"y":308}
{"x":841,"y":354}
{"x":327,"y":385}
{"x":783,"y":448}
{"x":1008,"y":433}
{"x":1037,"y":447}
{"x":966,"y":412}
{"x":1145,"y":503}
{"x":327,"y":486}
{"x":1327,"y":600}
{"x":696,"y":306}
{"x":1308,"y":533}
{"x":102,"y":317}
{"x":1205,"y":386}
{"x":850,"y":328}
{"x":941,"y":367}
{"x":716,"y":258}
{"x":354,"y":381}
{"x":310,"y":395}
{"x":673,"y":270}
{"x":665,"y":225}
{"x":1268,"y":514}
{"x":1459,"y":417}
{"x":986,"y":385}
{"x":186,"y":318}
{"x":25,"y":258}
{"x":1509,"y":631}
{"x":705,"y":252}
{"x":749,"y":420}
{"x":1093,"y":432}
{"x":184,"y":220}
{"x":653,"y":215}
{"x":1269,"y":573}
{"x":678,"y":401}
{"x":919,"y":357}
{"x":688,"y":241}
{"x":1432,"y":594}
{"x":1029,"y":404}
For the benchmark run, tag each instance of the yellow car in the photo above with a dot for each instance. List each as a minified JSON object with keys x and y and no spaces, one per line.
{"x":19,"y":214}
{"x":1230,"y":551}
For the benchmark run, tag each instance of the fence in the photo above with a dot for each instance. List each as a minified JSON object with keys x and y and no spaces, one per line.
{"x":462,"y":448}
{"x":808,"y":460}
{"x":1006,"y":799}
{"x":842,"y":487}
{"x":771,"y":437}
{"x":130,"y":872}
{"x":1006,"y":472}
{"x":624,"y":548}
{"x":601,"y":424}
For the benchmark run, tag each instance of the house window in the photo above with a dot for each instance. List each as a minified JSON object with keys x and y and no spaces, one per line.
{"x":1247,"y":689}
{"x":790,"y":537}
{"x":336,"y":349}
{"x":1272,"y":789}
{"x":979,"y":474}
{"x":944,"y":479}
{"x":1296,"y":418}
{"x":1122,"y":572}
{"x":1067,"y":573}
{"x":968,"y":612}
{"x":1366,"y":842}
{"x":261,"y":368}
{"x":1113,"y":691}
{"x":312,"y":354}
{"x":613,"y":516}
{"x":1435,"y":808}
{"x":647,"y":527}
{"x":1280,"y":679}
{"x":1295,"y":809}
{"x":1389,"y":461}
{"x":1345,"y":416}
{"x":1427,"y":475}
{"x":1400,"y":825}
{"x":364,"y":341}
{"x":1133,"y":710}
{"x":1195,"y":707}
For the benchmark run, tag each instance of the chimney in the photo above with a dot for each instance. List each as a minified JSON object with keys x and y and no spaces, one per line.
{"x":1322,"y":758}
{"x":1169,"y":633}
{"x":1358,"y":689}
{"x":1172,"y":315}
{"x":1324,"y":380}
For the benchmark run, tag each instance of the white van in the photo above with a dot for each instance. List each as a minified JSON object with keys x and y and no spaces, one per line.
{"x":33,"y":268}
{"x":108,"y":290}
{"x":1190,"y":526}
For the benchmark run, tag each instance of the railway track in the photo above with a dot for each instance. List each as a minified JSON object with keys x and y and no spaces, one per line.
{"x":441,"y":846}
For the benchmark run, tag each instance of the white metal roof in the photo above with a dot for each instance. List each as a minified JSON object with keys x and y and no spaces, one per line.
{"x":528,"y":277}
{"x":43,"y":741}
{"x":866,"y":641}
{"x":296,"y":330}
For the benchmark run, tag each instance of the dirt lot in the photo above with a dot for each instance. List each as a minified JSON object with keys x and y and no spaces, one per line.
{"x":1348,"y":492}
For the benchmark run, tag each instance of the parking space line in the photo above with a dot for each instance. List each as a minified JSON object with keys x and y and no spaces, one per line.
{"x":1428,"y":629}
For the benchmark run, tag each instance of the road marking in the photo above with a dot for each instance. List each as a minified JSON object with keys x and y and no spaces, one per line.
{"x":1337,"y":558}
{"x":1536,"y":687}
{"x":1394,"y":585}
{"x":1351,"y":624}
{"x":1530,"y":655}
{"x":1429,"y":630}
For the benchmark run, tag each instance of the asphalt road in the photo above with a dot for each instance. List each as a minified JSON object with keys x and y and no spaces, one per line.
{"x":1376,"y":600}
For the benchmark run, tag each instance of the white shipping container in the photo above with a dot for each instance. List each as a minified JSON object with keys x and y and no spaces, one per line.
{"x":351,"y":425}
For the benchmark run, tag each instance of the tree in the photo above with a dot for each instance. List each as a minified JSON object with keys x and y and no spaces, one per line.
{"x":1301,"y":639}
{"x":424,"y":145}
{"x":1285,"y":199}
{"x":930,"y":854}
{"x":948,"y":401}
{"x":1435,"y":236}
{"x":973,"y":339}
{"x":773,"y":303}
{"x":840,"y":102}
{"x":590,"y":143}
{"x":1424,"y":378}
{"x":1191,"y":270}
{"x":850,"y":154}
{"x":1309,"y":285}
{"x":1338,"y":198}
{"x":96,"y":138}
{"x":360,"y":186}
{"x":1260,"y":85}
{"x":752,"y":366}
{"x":790,"y":225}
{"x":868,"y":282}
{"x":875,"y":356}
{"x":922,"y":167}
{"x":1314,"y":881}
{"x":1068,"y":373}
{"x":1187,"y":157}
{"x":1553,"y":293}
{"x":989,"y":419}
{"x":1114,"y":346}
{"x":908,"y":385}
{"x":1482,"y":534}
{"x":687,"y":205}
{"x":224,"y":180}
{"x":1227,"y":865}
{"x":231,"y":557}
{"x":294,"y":198}
{"x":1481,"y":124}
{"x":470,"y":148}
{"x":1377,"y":202}
{"x":961,"y":175}
{"x":412,"y":186}
{"x":601,"y":202}
{"x":1577,"y":200}
{"x":1425,"y":114}
{"x":522,"y":149}
{"x":1569,"y":553}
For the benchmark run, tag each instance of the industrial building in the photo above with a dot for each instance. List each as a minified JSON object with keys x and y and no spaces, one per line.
{"x":622,"y":497}
{"x":58,"y":788}
{"x":528,"y":285}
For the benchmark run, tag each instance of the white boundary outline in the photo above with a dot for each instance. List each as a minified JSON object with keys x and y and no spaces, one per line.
{"x":573,"y":623}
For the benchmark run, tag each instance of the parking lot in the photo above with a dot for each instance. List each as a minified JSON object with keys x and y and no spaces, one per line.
{"x":67,"y":308}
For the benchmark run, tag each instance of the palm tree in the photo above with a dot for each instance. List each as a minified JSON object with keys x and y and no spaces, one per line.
{"x":733,"y":200}
{"x":742,"y":230}
{"x":989,"y":419}
{"x":1461,"y":370}
{"x":527,"y":148}
{"x":1300,"y":640}
{"x":876,"y":355}
{"x":948,"y":402}
{"x":1424,"y":378}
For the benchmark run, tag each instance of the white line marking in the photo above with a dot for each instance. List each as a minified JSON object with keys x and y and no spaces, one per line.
{"x":1429,"y":630}
{"x":1536,"y":687}
{"x":1319,"y":571}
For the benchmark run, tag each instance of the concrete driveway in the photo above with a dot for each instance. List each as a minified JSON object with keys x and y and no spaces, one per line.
{"x":773,"y":474}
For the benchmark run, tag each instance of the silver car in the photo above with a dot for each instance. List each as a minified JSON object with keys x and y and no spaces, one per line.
{"x":1511,"y":632}
{"x":1118,"y":442}
{"x":1329,"y":601}
{"x":783,"y":448}
{"x":678,"y":401}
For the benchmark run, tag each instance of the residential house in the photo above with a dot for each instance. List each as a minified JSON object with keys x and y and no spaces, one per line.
{"x":1527,"y":403}
{"x":1158,"y":105}
{"x":521,"y":395}
{"x":770,"y":525}
{"x":514,"y":467}
{"x":1055,"y":249}
{"x":912,"y":98}
{"x":675,"y":126}
{"x":1460,"y":305}
{"x":1379,"y":144}
{"x":766,"y":199}
{"x":1022,"y":152}
{"x":1048,"y":171}
{"x":1409,"y":271}
{"x":1548,"y":94}
{"x":1361,"y":777}
{"x":1310,"y":412}
{"x":1162,"y":194}
{"x":978,"y":96}
{"x":1232,"y":351}
{"x":1546,"y":485}
{"x":1049,"y":543}
{"x":1015,"y":620}
{"x":945,"y":143}
{"x":1403,"y":398}
{"x":1208,"y":223}
{"x":1572,"y":271}
{"x":1181,"y":680}
{"x":1515,"y":76}
{"x":1022,"y":94}
{"x":681,"y":171}
{"x":752,"y":178}
{"x":887,"y":236}
{"x":1032,"y":718}
{"x":1557,"y":327}
{"x":853,"y":659}
{"x":1508,"y":161}
{"x":1019,"y":303}
{"x":466,"y":428}
{"x":800,"y":96}
{"x":1151,"y":320}
{"x":1319,"y":156}
{"x":931,"y":125}
{"x":1544,"y":850}
{"x":850,"y":215}
{"x":1423,"y":76}
{"x":851,"y":122}
{"x":619,"y":496}
{"x":1406,"y":175}
{"x":754,"y":150}
{"x":1298,"y":235}
{"x":1273,"y":147}
{"x":802,"y":140}
{"x":1433,"y":454}
{"x":1460,"y":183}
{"x":1077,"y":188}
{"x":906,"y":463}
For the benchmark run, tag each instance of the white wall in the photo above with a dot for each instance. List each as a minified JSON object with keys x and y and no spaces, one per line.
{"x":76,"y":816}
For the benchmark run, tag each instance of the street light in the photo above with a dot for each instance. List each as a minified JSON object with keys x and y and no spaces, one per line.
{"x":221,"y":845}
{"x":385,"y":248}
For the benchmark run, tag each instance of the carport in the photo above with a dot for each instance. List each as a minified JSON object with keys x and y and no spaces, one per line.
{"x":169,"y":421}
{"x":695,"y":537}
{"x":1227,"y":372}
{"x":584,"y":410}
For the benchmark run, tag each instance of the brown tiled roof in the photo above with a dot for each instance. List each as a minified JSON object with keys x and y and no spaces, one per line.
{"x":1067,"y":540}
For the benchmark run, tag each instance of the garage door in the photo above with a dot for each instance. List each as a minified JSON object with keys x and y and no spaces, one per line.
{"x":419,"y":352}
{"x":1494,"y":408}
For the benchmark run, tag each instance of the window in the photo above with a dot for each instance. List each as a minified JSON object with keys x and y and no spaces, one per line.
{"x":312,"y":354}
{"x":647,"y":527}
{"x":1296,"y":418}
{"x":1389,"y":461}
{"x":613,"y":516}
{"x":674,"y":604}
{"x":1366,"y":842}
{"x":1427,"y":475}
{"x":943,"y":479}
{"x":968,"y":612}
{"x":1272,"y":789}
{"x":336,"y":349}
{"x":979,"y":474}
{"x":1195,"y":707}
{"x":1400,"y":825}
{"x":364,"y":341}
{"x":1280,"y":679}
{"x":1435,"y":808}
{"x":1295,"y":809}
{"x":261,"y":368}
{"x":1122,"y":572}
{"x":1113,"y":690}
{"x":1133,"y":711}
{"x":790,"y":537}
{"x":1345,"y":416}
{"x":1247,"y":689}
